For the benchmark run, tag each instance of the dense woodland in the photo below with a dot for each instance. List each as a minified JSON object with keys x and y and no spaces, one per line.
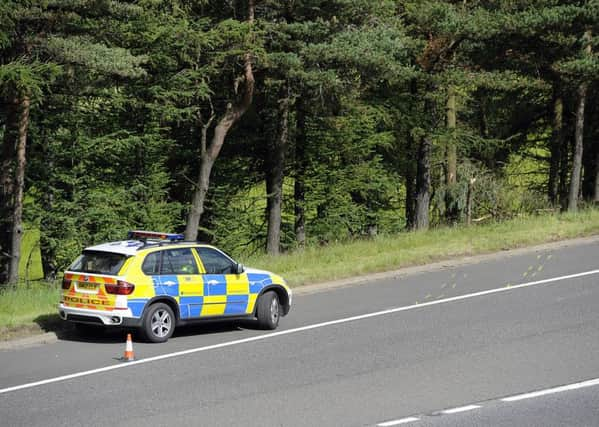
{"x":268,"y":125}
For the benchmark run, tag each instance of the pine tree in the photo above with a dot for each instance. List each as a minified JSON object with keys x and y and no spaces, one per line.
{"x":38,"y":46}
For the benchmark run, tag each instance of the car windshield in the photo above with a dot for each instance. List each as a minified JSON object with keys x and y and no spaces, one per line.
{"x":98,"y":262}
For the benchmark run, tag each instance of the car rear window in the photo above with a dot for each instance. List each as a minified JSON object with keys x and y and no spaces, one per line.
{"x":98,"y":262}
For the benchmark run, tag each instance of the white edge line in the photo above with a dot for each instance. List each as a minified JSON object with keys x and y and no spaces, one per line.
{"x":398,"y":422}
{"x":294,"y":330}
{"x":460,"y":409}
{"x":553,"y":390}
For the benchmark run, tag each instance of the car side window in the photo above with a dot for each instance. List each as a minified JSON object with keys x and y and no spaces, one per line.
{"x":178,"y":261}
{"x":215,"y":262}
{"x":170,"y":261}
{"x":151,"y":265}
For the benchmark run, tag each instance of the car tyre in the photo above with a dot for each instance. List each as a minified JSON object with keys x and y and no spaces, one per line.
{"x":268,"y":311}
{"x":158,"y":323}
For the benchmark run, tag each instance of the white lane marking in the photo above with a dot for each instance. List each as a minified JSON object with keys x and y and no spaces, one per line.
{"x":460,"y":409}
{"x":560,"y":389}
{"x":398,"y":422}
{"x":514,"y":398}
{"x":295,"y":330}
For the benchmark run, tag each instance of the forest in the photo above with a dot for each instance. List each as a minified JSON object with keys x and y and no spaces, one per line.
{"x":270,"y":125}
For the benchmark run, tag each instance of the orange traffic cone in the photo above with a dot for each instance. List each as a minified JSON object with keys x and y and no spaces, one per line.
{"x":128,"y":357}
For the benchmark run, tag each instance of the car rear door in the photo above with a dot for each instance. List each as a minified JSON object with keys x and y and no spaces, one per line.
{"x":177,"y":276}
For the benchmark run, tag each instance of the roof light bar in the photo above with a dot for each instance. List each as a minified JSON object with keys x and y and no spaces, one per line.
{"x":142,"y":235}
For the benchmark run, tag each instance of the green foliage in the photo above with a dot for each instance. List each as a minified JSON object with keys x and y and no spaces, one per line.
{"x":95,"y":57}
{"x":30,"y":264}
{"x":117,"y":183}
{"x":122,"y":91}
{"x":351,"y":188}
{"x":18,"y":78}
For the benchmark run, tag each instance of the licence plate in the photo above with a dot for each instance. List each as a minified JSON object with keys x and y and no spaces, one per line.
{"x":86,"y":285}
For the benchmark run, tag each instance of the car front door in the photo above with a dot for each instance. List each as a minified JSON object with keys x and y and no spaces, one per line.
{"x":226,"y":293}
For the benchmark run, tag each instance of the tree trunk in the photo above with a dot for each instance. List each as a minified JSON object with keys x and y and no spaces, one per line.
{"x":199,"y":194}
{"x":410,"y":199}
{"x":17,"y":222}
{"x":596,"y":186}
{"x":451,"y":174}
{"x":451,"y":211}
{"x":578,"y":139}
{"x":557,"y":141}
{"x":299,"y":190}
{"x":564,"y":168}
{"x":275,"y":177}
{"x":589,"y":150}
{"x":423,"y":184}
{"x":577,"y":158}
{"x":410,"y":181}
{"x":7,"y":183}
{"x":208,"y":156}
{"x":469,"y":198}
{"x":410,"y":165}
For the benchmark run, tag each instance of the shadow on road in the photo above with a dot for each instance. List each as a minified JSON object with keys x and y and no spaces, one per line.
{"x":67,"y":331}
{"x":214,"y":327}
{"x":52,"y":323}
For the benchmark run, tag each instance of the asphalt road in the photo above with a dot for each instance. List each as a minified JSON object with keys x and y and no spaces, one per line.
{"x":352,"y":356}
{"x":569,"y":408}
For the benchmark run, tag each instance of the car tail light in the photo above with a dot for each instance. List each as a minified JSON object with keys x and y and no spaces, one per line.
{"x":120,"y":288}
{"x":66,"y":283}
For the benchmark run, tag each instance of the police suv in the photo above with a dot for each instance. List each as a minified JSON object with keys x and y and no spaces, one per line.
{"x":156,"y":281}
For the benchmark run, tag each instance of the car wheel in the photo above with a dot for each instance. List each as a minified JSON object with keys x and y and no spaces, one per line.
{"x":268,"y":311}
{"x":159,"y":323}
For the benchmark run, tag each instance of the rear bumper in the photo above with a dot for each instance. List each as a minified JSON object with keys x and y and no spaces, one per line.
{"x":98,"y":317}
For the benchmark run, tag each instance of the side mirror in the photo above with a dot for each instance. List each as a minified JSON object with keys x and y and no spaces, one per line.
{"x":239,"y":268}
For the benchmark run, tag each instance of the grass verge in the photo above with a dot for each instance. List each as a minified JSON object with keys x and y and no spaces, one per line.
{"x":383,"y":253}
{"x":27,"y":309}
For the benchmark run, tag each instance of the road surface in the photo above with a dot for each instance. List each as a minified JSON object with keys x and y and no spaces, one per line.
{"x":404,"y":348}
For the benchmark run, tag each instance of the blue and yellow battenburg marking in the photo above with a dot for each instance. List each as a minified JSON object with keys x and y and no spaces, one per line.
{"x":207,"y":295}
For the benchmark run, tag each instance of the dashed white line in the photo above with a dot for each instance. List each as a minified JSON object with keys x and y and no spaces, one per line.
{"x":560,"y":389}
{"x":296,"y":330}
{"x":460,"y":409}
{"x":514,"y":398}
{"x":398,"y":422}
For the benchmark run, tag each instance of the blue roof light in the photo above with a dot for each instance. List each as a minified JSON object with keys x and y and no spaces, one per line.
{"x":143,"y":235}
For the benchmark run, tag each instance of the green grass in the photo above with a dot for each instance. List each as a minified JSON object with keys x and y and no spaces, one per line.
{"x":25,"y":306}
{"x":30,"y":264}
{"x":337,"y":261}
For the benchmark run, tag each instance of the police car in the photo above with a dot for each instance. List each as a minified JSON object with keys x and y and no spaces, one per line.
{"x":157,"y":281}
